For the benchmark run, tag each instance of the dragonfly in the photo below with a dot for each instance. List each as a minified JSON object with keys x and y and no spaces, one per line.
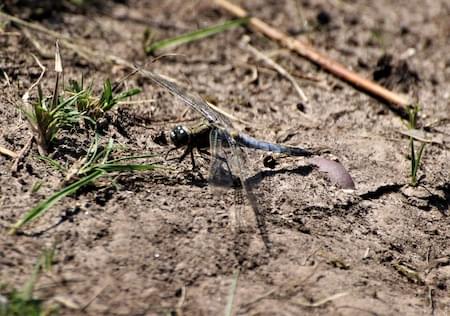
{"x":215,"y":124}
{"x":216,"y":133}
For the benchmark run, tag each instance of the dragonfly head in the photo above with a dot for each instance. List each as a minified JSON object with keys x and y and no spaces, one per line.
{"x":180,"y":136}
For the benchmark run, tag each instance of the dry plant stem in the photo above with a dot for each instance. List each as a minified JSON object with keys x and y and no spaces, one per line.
{"x":66,"y":41}
{"x":228,"y":115}
{"x":10,"y":34}
{"x":321,"y":302}
{"x":145,"y":101}
{"x":34,"y":26}
{"x":7,"y":152}
{"x":43,"y":52}
{"x":7,"y":80}
{"x":289,"y":285}
{"x":397,"y":101}
{"x":40,"y":139}
{"x":278,"y":68}
{"x":96,"y":294}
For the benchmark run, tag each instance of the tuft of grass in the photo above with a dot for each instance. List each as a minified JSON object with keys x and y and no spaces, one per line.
{"x":21,"y":302}
{"x":47,"y":117}
{"x":95,"y":107}
{"x":193,"y":36}
{"x":95,"y":165}
{"x":15,"y":305}
{"x":415,"y":157}
{"x":49,"y":114}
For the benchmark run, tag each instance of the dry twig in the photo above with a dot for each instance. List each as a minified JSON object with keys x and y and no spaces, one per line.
{"x":289,"y":287}
{"x":26,"y":104}
{"x":275,"y":66}
{"x":7,"y":152}
{"x":96,"y":294}
{"x":398,"y":102}
{"x":42,"y":51}
{"x":320,"y":302}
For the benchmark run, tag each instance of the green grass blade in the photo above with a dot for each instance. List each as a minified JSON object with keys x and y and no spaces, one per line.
{"x":66,"y":103}
{"x":21,"y":302}
{"x":419,"y":155}
{"x":413,"y":155}
{"x":17,"y":306}
{"x":42,"y":207}
{"x":48,"y":257}
{"x":112,"y":167}
{"x":91,"y":155}
{"x":74,"y":86}
{"x":36,"y":186}
{"x":132,"y":158}
{"x":417,"y":164}
{"x":107,"y":97}
{"x":113,"y":101}
{"x":195,"y":35}
{"x":232,"y":294}
{"x":53,"y":163}
{"x":40,"y":93}
{"x":127,"y":94}
{"x":26,"y":294}
{"x":30,"y":116}
{"x":108,"y":151}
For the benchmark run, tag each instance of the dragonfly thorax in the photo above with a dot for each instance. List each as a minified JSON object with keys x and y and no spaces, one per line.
{"x":180,"y":136}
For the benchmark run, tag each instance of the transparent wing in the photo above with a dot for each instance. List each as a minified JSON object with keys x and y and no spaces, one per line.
{"x":231,"y":158}
{"x":220,"y":171}
{"x":196,"y":102}
{"x":221,"y":175}
{"x":247,"y":187}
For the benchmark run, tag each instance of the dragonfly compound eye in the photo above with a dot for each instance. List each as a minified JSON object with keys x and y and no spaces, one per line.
{"x":179,"y":136}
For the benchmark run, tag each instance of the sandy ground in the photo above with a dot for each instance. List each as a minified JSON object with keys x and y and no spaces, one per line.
{"x":160,"y":242}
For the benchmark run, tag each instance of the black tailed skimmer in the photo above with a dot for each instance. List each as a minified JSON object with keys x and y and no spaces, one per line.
{"x":217,"y":133}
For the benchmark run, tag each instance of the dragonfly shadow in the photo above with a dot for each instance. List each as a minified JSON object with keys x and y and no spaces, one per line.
{"x":441,"y":201}
{"x":256,"y":179}
{"x":242,"y":241}
{"x":67,"y":216}
{"x":196,"y":179}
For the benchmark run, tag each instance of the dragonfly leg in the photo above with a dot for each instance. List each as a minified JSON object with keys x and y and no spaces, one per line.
{"x":205,"y":153}
{"x":169,"y":151}
{"x":185,"y":153}
{"x":193,"y":160}
{"x":189,"y":150}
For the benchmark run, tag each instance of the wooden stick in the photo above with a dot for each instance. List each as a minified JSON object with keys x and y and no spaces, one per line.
{"x":7,"y":152}
{"x":397,"y":102}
